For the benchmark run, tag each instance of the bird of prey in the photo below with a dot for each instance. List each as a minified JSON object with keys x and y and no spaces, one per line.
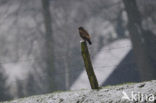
{"x":84,"y":35}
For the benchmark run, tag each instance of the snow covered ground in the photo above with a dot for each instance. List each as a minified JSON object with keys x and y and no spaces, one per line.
{"x":144,"y":92}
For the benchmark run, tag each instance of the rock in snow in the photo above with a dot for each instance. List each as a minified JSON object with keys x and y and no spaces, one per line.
{"x":144,"y":92}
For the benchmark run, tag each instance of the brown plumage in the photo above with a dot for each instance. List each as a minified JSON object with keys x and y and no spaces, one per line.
{"x":84,"y":35}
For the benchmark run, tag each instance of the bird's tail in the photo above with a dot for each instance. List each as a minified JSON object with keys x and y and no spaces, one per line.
{"x":89,"y":42}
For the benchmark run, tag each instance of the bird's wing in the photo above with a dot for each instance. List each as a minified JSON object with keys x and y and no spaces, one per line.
{"x":85,"y":34}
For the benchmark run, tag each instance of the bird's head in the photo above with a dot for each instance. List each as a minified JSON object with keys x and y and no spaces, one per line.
{"x":80,"y":28}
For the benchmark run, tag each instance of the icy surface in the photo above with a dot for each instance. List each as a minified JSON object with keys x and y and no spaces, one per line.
{"x":111,"y":94}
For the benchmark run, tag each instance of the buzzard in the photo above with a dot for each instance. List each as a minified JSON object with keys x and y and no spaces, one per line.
{"x":84,"y":35}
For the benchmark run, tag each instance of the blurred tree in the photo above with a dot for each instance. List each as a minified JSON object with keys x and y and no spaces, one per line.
{"x":4,"y":90}
{"x":48,"y":53}
{"x":20,"y":87}
{"x":32,"y":86}
{"x":120,"y":30}
{"x":138,"y":40}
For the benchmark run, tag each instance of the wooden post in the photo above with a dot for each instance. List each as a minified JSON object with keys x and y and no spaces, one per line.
{"x":88,"y":65}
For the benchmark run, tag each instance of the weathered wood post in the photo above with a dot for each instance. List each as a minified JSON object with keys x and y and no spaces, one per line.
{"x":88,"y":65}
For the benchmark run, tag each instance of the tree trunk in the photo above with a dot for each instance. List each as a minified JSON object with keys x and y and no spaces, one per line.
{"x":138,"y":42}
{"x":48,"y":44}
